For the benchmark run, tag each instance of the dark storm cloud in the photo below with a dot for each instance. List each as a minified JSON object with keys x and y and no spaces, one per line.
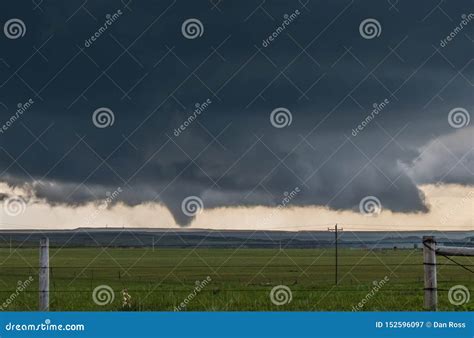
{"x":448,"y":159}
{"x":151,"y":77}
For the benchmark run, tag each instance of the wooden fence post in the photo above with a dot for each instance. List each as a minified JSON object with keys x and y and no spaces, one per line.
{"x":429,"y":263}
{"x":44,"y":275}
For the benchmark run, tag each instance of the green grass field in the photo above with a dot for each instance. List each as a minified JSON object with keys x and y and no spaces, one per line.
{"x":240,"y":279}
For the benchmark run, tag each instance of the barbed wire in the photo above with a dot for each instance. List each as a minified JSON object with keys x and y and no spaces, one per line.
{"x":234,"y":290}
{"x":464,"y":266}
{"x":224,"y":266}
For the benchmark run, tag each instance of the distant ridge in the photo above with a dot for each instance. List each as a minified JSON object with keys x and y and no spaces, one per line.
{"x":207,"y":238}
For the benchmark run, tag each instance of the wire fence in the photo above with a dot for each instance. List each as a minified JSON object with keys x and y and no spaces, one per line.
{"x":151,"y":271}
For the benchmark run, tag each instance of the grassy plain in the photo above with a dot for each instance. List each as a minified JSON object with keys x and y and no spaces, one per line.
{"x":240,"y":279}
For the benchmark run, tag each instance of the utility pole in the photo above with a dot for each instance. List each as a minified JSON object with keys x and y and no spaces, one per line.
{"x":335,"y":229}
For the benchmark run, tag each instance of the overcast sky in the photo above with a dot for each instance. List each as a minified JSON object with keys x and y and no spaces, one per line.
{"x":289,"y":109}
